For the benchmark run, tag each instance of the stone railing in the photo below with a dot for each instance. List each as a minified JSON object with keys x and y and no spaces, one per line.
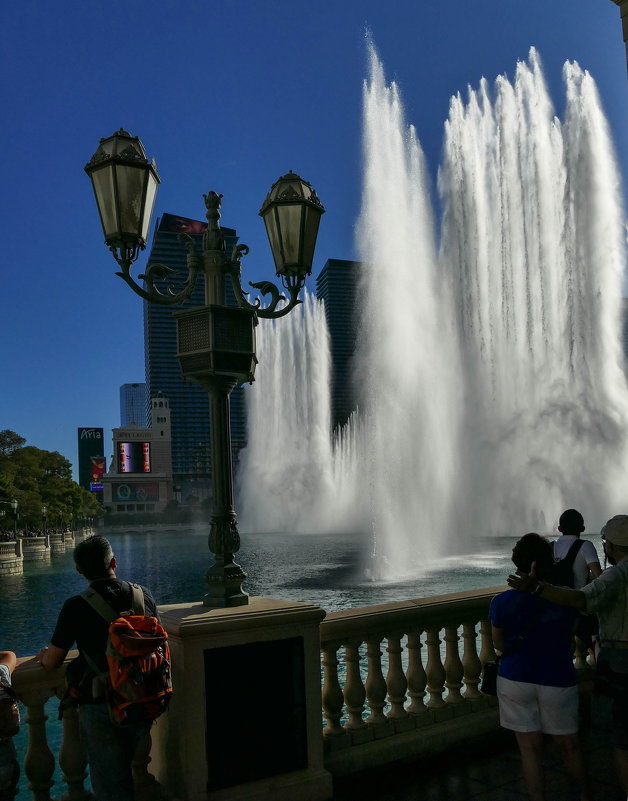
{"x":384,"y":701}
{"x":35,"y":686}
{"x":11,"y":559}
{"x":36,"y":548}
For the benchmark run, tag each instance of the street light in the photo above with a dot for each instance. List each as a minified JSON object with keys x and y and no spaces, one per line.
{"x":13,"y":504}
{"x":215,"y":342}
{"x":44,"y":514}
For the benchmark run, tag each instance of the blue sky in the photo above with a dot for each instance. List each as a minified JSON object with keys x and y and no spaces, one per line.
{"x":226,"y":96}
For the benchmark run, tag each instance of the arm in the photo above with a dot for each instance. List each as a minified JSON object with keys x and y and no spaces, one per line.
{"x":9,"y":659}
{"x":528,"y":582}
{"x":595,"y":569}
{"x":51,"y":657}
{"x":499,"y":642}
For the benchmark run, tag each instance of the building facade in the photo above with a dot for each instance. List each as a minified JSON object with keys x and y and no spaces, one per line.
{"x":336,"y":286}
{"x":188,"y":402}
{"x":133,"y":406}
{"x":139,"y":478}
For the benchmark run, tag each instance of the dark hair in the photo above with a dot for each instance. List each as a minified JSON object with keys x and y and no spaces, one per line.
{"x":93,"y":556}
{"x":571,"y":522}
{"x":533,"y":548}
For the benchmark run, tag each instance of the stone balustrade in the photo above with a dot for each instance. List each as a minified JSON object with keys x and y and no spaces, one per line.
{"x":399,"y":680}
{"x":11,"y":558}
{"x":402,"y":679}
{"x":36,"y":549}
{"x":57,"y":542}
{"x":35,"y":686}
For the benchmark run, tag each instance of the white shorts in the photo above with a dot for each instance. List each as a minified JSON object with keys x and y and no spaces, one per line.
{"x":535,"y":707}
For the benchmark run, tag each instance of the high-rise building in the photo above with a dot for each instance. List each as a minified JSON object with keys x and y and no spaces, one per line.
{"x":336,"y":286}
{"x":133,"y":405}
{"x":188,"y":402}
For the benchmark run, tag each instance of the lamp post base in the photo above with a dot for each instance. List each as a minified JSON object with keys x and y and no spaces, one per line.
{"x":225,"y":585}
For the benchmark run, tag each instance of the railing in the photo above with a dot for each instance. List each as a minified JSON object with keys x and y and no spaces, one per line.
{"x":382,"y":700}
{"x":35,"y":686}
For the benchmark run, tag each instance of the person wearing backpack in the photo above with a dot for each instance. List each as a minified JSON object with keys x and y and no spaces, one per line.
{"x":9,"y":719}
{"x":586,"y":563}
{"x":109,"y":747}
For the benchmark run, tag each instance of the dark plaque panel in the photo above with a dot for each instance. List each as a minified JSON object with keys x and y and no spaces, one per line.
{"x":255,"y":697}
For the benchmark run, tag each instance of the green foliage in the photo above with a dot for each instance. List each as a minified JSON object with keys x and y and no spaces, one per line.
{"x":37,"y":478}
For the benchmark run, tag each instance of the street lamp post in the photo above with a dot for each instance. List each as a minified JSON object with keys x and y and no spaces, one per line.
{"x":44,"y":514}
{"x":13,"y":504}
{"x":215,"y":342}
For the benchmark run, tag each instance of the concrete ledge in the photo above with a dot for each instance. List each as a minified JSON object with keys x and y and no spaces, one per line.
{"x":427,"y":740}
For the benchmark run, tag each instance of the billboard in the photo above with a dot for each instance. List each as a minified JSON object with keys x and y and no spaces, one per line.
{"x":133,"y":457}
{"x":141,"y":491}
{"x":91,"y":457}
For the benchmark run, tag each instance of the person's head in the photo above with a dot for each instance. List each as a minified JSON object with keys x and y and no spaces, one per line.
{"x":94,"y":558}
{"x":533,"y":548}
{"x":571,"y":522}
{"x":615,"y":538}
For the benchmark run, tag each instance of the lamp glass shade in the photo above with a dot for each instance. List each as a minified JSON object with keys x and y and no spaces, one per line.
{"x":291,"y":214}
{"x":125,"y":185}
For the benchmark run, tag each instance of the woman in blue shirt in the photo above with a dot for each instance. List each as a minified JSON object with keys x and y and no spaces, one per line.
{"x":536,"y":685}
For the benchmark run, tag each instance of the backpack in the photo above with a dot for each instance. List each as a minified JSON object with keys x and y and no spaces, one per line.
{"x":9,"y":711}
{"x":561,"y":572}
{"x":138,"y":684}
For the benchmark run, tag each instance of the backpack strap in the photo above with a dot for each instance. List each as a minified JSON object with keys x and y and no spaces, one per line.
{"x":97,"y":602}
{"x":137,"y":602}
{"x":574,"y":550}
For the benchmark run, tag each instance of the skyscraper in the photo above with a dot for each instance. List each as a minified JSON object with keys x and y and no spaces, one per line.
{"x":188,"y":402}
{"x":133,"y":405}
{"x":336,"y":286}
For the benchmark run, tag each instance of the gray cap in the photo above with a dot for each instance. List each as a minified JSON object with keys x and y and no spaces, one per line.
{"x":616,"y":530}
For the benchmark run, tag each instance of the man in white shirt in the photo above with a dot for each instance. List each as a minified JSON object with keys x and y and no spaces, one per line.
{"x":571,"y":525}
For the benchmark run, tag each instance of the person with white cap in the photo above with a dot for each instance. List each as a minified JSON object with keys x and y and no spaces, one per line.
{"x":606,"y":595}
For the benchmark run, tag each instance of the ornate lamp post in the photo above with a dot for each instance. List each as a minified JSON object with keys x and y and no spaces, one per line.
{"x":13,"y":504}
{"x":215,"y":342}
{"x":44,"y":514}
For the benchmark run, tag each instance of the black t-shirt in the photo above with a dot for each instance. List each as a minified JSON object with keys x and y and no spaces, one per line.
{"x":80,"y":623}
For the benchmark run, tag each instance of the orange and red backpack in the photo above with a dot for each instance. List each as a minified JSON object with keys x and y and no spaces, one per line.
{"x":138,"y":684}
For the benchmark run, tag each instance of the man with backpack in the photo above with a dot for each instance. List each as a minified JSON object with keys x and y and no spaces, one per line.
{"x":110,"y":740}
{"x":579,"y":557}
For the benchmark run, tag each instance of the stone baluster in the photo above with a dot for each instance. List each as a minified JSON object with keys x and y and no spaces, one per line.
{"x":487,"y":651}
{"x":454,"y":670}
{"x":415,"y":674}
{"x":354,"y":692}
{"x":332,"y":693}
{"x":471,"y":662}
{"x":434,"y":670}
{"x":395,"y":679}
{"x":39,"y":763}
{"x":72,"y":758}
{"x":375,"y":684}
{"x":146,"y":786}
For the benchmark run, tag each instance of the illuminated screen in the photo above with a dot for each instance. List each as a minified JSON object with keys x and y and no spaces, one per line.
{"x":133,"y":457}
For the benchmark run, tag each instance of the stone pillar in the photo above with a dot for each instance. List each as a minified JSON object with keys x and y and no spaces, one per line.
{"x":36,"y":549}
{"x":244,"y":723}
{"x":57,"y":543}
{"x":11,"y":559}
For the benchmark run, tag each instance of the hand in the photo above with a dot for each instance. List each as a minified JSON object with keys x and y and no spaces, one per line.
{"x":525,"y":582}
{"x":40,"y":656}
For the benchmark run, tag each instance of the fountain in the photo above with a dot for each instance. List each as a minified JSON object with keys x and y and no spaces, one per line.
{"x":493,"y":391}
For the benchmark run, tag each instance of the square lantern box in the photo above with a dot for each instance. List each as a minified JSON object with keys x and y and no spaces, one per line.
{"x":216,"y":341}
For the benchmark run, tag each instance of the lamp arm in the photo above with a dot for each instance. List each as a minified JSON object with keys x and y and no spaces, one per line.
{"x":161,"y":272}
{"x":265,"y":287}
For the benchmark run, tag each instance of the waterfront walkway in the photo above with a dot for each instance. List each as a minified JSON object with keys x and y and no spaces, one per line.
{"x":489,"y":771}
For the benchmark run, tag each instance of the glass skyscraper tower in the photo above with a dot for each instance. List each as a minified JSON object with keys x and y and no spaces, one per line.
{"x":188,"y":402}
